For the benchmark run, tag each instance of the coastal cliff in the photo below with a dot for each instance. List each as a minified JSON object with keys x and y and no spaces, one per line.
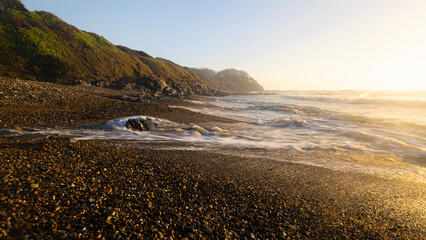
{"x":40,"y":46}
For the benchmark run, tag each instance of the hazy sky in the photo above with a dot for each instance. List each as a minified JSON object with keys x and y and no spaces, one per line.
{"x":299,"y":44}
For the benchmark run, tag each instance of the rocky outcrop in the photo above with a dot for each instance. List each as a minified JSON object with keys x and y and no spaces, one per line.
{"x":140,"y":124}
{"x":230,"y":80}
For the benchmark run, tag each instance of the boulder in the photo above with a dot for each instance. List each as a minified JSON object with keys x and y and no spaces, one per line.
{"x":140,"y":124}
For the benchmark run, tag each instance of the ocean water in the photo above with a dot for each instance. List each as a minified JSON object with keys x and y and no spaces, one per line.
{"x":380,"y":132}
{"x":388,"y":121}
{"x":376,"y":132}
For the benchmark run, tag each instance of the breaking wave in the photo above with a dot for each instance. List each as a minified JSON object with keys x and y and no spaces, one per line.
{"x":349,"y":125}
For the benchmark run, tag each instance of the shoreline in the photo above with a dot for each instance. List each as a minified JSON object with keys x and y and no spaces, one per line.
{"x":58,"y":187}
{"x":27,"y":103}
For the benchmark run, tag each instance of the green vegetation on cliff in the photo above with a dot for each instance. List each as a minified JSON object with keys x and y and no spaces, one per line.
{"x":38,"y":45}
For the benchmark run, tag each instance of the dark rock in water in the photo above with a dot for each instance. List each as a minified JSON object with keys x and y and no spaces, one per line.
{"x":139,"y":124}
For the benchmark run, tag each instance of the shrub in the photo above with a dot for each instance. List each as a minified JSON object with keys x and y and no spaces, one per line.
{"x":12,"y":4}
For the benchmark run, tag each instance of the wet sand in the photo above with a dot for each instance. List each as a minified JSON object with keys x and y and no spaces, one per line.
{"x":61,"y":188}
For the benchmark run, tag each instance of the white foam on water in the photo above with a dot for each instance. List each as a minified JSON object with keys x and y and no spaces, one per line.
{"x":337,"y":124}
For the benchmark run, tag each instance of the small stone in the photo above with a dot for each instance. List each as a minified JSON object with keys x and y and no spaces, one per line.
{"x":34,"y":185}
{"x":111,"y":213}
{"x":160,"y":235}
{"x":252,"y":236}
{"x":17,"y":128}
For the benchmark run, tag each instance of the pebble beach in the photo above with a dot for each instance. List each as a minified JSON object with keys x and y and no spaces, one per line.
{"x":58,"y":187}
